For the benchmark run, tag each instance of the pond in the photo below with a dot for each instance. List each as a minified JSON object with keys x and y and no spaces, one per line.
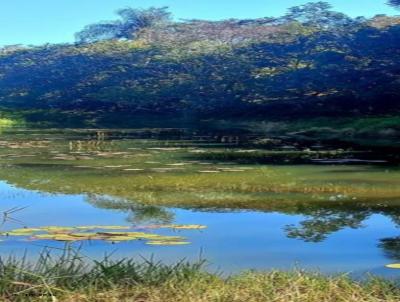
{"x":239,"y":200}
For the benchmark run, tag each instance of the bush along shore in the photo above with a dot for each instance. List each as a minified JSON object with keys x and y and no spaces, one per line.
{"x":70,"y":277}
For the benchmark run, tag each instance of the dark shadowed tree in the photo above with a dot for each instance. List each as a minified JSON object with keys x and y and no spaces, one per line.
{"x":391,"y":247}
{"x":130,"y":22}
{"x":310,"y":63}
{"x":395,"y":3}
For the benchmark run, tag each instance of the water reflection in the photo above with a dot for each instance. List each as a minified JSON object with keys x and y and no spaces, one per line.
{"x":325,"y":222}
{"x":137,"y":214}
{"x":257,"y":201}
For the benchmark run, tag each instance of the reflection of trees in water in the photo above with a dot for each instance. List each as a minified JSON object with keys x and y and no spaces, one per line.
{"x":150,"y":214}
{"x":320,"y":223}
{"x":394,"y":216}
{"x":137,"y":213}
{"x":395,"y":3}
{"x":324,"y":222}
{"x":322,"y":219}
{"x":391,"y":247}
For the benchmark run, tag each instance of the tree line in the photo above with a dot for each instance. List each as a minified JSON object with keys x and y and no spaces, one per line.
{"x":311,"y":61}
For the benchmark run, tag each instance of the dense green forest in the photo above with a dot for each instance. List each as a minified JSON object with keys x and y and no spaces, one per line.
{"x":310,"y":62}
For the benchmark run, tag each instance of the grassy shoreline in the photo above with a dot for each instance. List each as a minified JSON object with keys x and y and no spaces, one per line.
{"x":71,"y":278}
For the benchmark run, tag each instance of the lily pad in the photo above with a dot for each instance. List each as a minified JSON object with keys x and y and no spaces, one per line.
{"x":56,"y":229}
{"x":22,"y":232}
{"x":103,"y":227}
{"x":105,"y":233}
{"x":84,"y":235}
{"x":58,"y":237}
{"x":16,"y":234}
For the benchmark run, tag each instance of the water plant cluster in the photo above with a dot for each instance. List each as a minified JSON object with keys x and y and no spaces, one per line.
{"x":143,"y":172}
{"x":105,"y":233}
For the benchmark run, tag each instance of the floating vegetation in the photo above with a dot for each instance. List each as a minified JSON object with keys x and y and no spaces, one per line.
{"x":104,"y":227}
{"x":56,"y":229}
{"x":56,"y":237}
{"x":64,"y":157}
{"x":246,"y":151}
{"x":166,"y":169}
{"x":198,"y":151}
{"x":231,"y":170}
{"x":199,"y":173}
{"x":73,"y":234}
{"x":165,"y":149}
{"x":118,"y":166}
{"x":19,"y":233}
{"x":26,"y":230}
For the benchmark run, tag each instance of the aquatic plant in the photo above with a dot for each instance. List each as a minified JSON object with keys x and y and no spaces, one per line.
{"x":117,"y":175}
{"x":79,"y":233}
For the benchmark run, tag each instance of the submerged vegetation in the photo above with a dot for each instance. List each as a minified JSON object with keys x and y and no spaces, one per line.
{"x":72,"y":278}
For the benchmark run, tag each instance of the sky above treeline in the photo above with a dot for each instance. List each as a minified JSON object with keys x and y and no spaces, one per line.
{"x":55,"y":21}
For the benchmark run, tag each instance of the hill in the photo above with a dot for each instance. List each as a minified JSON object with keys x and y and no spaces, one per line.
{"x":312,"y":62}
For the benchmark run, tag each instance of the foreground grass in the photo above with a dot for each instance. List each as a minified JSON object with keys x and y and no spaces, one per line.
{"x":71,"y":278}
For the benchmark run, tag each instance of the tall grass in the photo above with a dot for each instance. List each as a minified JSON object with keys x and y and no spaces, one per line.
{"x":70,"y":277}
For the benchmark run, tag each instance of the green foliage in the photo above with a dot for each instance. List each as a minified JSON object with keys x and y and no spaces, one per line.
{"x":318,"y":15}
{"x":395,"y":3}
{"x":8,"y":119}
{"x":6,"y":122}
{"x":311,"y":62}
{"x":130,"y":22}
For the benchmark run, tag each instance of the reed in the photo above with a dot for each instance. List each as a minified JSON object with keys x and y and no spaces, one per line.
{"x":71,"y":277}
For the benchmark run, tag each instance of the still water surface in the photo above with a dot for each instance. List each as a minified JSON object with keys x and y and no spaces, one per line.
{"x":265,"y":206}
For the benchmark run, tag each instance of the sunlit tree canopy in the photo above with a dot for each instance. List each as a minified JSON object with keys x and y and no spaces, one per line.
{"x":311,"y":61}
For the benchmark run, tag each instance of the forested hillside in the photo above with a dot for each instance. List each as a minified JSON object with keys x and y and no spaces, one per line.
{"x":311,"y":62}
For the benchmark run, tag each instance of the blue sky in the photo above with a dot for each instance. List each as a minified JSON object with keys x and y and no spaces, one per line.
{"x":55,"y":21}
